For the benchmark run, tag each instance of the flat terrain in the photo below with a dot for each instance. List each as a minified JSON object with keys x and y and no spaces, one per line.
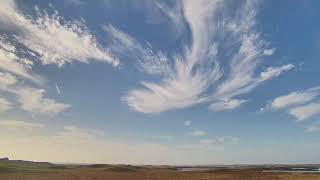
{"x":47,"y":171}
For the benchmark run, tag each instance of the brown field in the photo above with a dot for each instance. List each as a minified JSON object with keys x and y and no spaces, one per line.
{"x":149,"y":174}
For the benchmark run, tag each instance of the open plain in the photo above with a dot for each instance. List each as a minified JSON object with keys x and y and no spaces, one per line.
{"x":26,"y":170}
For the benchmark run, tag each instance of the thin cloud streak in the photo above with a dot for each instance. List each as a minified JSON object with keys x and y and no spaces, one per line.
{"x":197,"y":133}
{"x":295,"y":98}
{"x":302,"y":105}
{"x":306,"y":111}
{"x":31,"y":99}
{"x":315,"y":127}
{"x":16,"y":124}
{"x":226,"y":105}
{"x":58,"y":89}
{"x":5,"y":105}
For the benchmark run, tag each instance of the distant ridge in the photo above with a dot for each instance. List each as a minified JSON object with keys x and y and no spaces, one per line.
{"x":6,"y":162}
{"x":4,"y":159}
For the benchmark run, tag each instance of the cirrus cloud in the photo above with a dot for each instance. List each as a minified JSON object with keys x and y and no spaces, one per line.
{"x":16,"y":124}
{"x":219,"y":64}
{"x":32,"y":100}
{"x":302,"y":105}
{"x":295,"y":98}
{"x":306,"y":111}
{"x":226,"y":105}
{"x":5,"y":105}
{"x":52,"y":39}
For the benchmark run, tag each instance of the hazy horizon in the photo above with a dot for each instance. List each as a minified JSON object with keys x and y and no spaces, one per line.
{"x":176,"y":165}
{"x":165,"y":82}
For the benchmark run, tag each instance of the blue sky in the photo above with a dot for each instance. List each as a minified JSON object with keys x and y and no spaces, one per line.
{"x":160,"y":82}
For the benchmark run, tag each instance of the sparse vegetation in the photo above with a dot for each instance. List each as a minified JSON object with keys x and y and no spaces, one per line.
{"x":26,"y":170}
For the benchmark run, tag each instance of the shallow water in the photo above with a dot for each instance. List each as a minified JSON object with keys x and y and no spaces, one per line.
{"x":194,"y":169}
{"x":293,"y":171}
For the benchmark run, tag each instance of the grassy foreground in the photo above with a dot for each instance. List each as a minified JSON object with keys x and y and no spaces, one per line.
{"x":24,"y":170}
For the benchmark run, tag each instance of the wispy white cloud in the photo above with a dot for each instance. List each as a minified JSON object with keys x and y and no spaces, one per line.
{"x":174,"y":14}
{"x":197,"y":133}
{"x":53,"y":39}
{"x":187,"y":123}
{"x":226,"y":105}
{"x":6,"y":80}
{"x":188,"y":78}
{"x":220,"y":140}
{"x":305,"y":111}
{"x":182,"y":85}
{"x":33,"y":100}
{"x":5,"y":105}
{"x":269,"y":52}
{"x":75,"y":135}
{"x":10,"y":62}
{"x":15,"y":124}
{"x":75,"y":2}
{"x":302,"y":104}
{"x":58,"y":89}
{"x":166,"y":138}
{"x":252,"y":49}
{"x":150,"y":62}
{"x":295,"y":98}
{"x":49,"y":39}
{"x":30,"y":99}
{"x":242,"y":84}
{"x":275,"y":71}
{"x":315,"y":127}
